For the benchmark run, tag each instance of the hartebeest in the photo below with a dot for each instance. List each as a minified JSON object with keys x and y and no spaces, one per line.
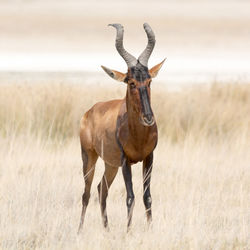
{"x":122,"y":132}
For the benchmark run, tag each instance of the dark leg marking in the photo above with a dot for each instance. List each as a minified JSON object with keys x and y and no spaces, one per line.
{"x":147,"y":169}
{"x":126,"y":171}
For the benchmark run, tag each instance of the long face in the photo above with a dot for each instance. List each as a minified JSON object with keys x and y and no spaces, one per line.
{"x":138,"y":80}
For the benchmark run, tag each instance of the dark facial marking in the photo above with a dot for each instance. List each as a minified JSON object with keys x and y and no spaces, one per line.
{"x":139,"y":73}
{"x":146,"y":108}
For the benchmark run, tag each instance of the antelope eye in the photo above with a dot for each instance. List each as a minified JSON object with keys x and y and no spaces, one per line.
{"x":132,"y":85}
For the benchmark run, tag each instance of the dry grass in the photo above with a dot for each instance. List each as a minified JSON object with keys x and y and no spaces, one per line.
{"x":200,"y":182}
{"x":54,"y":110}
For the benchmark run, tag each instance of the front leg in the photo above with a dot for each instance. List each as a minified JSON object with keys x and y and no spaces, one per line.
{"x":126,"y":171}
{"x":147,"y":169}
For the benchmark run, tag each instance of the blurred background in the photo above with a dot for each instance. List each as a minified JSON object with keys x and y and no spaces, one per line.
{"x":202,"y":40}
{"x":50,"y":75}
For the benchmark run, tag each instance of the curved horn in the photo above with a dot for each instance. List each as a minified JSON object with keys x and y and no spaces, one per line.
{"x":143,"y":58}
{"x":129,"y":59}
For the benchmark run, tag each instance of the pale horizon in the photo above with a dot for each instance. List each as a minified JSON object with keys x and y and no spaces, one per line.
{"x":204,"y":39}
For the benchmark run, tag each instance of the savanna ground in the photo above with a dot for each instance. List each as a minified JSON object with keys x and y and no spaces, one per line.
{"x":200,"y":180}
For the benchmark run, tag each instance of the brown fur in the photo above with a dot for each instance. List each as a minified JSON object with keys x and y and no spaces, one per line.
{"x":114,"y":131}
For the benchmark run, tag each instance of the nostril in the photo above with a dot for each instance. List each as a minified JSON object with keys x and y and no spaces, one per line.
{"x":147,"y":120}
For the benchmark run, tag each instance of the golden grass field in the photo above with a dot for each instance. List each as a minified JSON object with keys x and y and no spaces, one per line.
{"x":200,"y":180}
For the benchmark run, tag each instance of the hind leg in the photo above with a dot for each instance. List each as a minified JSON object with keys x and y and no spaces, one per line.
{"x":103,"y":187}
{"x":89,"y":159}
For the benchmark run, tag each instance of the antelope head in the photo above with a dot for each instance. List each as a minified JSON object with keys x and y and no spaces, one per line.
{"x":138,"y":77}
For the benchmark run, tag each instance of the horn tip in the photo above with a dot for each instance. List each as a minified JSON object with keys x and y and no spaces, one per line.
{"x":116,"y":25}
{"x":147,"y":28}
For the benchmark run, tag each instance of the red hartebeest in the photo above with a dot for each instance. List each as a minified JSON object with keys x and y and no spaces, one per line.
{"x":122,"y":132}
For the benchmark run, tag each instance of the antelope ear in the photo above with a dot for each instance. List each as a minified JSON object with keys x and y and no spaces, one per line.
{"x":154,"y":71}
{"x":115,"y":74}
